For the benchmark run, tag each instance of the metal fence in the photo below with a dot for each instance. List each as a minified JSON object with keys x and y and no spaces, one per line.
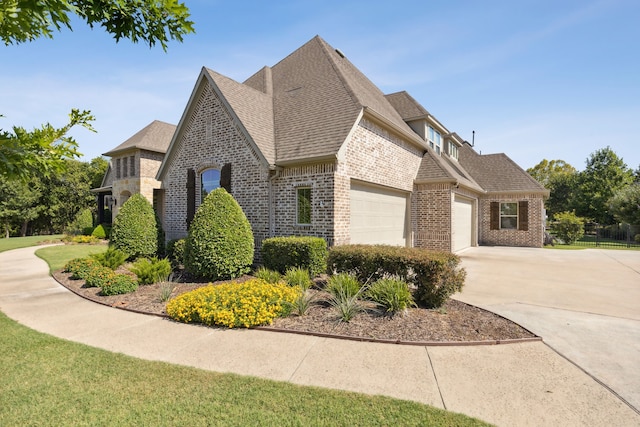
{"x":616,"y":235}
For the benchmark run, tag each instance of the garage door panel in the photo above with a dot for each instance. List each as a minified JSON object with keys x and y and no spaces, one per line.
{"x":462,"y":223}
{"x":378,"y":216}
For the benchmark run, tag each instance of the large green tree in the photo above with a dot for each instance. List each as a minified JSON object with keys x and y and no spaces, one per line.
{"x":546,"y":171}
{"x":604,"y":175}
{"x":19,"y":205}
{"x":148,"y":21}
{"x":625,"y":204}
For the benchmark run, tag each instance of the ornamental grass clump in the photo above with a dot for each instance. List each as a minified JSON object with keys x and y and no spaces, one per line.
{"x":298,"y":276}
{"x":269,"y":276}
{"x":392,"y":294}
{"x":251,"y":303}
{"x":152,"y":270}
{"x":345,"y":290}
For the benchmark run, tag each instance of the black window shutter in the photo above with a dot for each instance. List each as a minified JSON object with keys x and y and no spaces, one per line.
{"x":225,"y":177}
{"x":495,"y":216}
{"x":191,"y":195}
{"x":523,"y":215}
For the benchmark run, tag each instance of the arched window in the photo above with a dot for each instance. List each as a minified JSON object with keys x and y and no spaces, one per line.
{"x":209,"y":181}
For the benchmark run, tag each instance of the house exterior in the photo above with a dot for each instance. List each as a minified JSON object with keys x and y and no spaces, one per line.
{"x":311,"y":146}
{"x":133,"y":168}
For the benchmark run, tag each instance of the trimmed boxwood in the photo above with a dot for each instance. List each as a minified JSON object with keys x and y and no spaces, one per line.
{"x":282,"y":253}
{"x":135,"y":229}
{"x":220,"y":241}
{"x":434,"y":275}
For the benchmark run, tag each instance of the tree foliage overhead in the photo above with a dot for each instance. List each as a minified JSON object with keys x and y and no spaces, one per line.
{"x":148,"y":21}
{"x":40,"y":152}
{"x":625,"y":204}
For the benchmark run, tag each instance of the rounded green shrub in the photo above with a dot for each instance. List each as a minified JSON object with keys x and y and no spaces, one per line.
{"x":98,"y":277}
{"x":111,"y":258}
{"x":175,"y":251}
{"x":151,"y":270}
{"x":220,"y":241}
{"x":569,"y":227}
{"x":80,"y":267}
{"x":119,"y":284}
{"x":100,"y":232}
{"x":135,"y":228}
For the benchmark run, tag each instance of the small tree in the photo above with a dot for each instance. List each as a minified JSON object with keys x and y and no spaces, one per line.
{"x":569,"y":227}
{"x":625,"y":204}
{"x":135,"y":228}
{"x":220,"y":241}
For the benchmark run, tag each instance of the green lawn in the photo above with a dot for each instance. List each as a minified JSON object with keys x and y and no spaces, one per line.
{"x":57,"y":256}
{"x":23,"y":242}
{"x":50,"y":381}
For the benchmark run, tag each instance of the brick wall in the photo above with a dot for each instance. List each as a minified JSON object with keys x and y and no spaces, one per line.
{"x":431,"y":216}
{"x":531,"y":238}
{"x":211,"y":138}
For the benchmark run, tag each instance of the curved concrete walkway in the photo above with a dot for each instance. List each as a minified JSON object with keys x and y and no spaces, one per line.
{"x":510,"y":385}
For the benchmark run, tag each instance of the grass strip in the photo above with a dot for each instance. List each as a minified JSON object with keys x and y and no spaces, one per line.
{"x":24,"y":242}
{"x":50,"y":381}
{"x":58,"y":256}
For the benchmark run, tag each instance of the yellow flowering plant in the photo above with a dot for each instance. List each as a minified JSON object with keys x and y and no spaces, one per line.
{"x":251,"y":303}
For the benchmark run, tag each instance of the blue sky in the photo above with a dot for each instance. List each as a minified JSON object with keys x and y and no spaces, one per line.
{"x":534,"y":79}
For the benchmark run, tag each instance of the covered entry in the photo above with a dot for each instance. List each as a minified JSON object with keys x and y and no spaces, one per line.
{"x":462,"y":224}
{"x":378,"y":215}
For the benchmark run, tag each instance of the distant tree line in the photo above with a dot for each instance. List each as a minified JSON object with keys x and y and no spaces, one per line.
{"x":48,"y":203}
{"x":607,"y":191}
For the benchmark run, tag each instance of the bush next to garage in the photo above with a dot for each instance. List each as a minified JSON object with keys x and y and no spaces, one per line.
{"x":433,"y":275}
{"x":282,"y":253}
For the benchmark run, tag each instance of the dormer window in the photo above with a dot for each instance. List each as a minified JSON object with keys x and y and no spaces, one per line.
{"x":453,"y":150}
{"x":434,"y":138}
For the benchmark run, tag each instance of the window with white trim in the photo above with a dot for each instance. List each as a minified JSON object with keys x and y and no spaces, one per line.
{"x":303,"y":205}
{"x":434,"y":138}
{"x":509,"y":216}
{"x":453,"y":150}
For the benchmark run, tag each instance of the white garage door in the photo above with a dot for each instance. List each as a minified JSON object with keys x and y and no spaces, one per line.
{"x":462,"y":223}
{"x":378,"y":216}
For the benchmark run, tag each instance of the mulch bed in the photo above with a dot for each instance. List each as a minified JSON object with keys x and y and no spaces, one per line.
{"x":455,"y":322}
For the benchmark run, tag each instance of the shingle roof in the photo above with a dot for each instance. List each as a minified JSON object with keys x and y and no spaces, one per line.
{"x":497,"y":172}
{"x":156,"y":136}
{"x":254,"y":110}
{"x":408,"y":108}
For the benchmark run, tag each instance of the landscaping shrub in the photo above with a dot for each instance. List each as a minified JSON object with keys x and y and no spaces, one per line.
{"x":87,"y":231}
{"x":267,"y":275}
{"x":98,"y":277}
{"x":434,"y":275}
{"x":101,"y":232}
{"x":298,"y":276}
{"x":637,"y":238}
{"x":343,"y":284}
{"x":82,"y":222}
{"x":80,"y":267}
{"x":175,"y":251}
{"x":282,"y":253}
{"x":111,"y":258}
{"x":220,"y":241}
{"x":254,"y":302}
{"x":151,"y":270}
{"x":81,"y":239}
{"x":135,"y":229}
{"x":391,"y":293}
{"x":569,"y":227}
{"x":119,"y":284}
{"x":303,"y":302}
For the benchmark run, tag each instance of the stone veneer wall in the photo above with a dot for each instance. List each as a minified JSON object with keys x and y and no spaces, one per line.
{"x":534,"y":237}
{"x":211,"y":139}
{"x":144,"y":181}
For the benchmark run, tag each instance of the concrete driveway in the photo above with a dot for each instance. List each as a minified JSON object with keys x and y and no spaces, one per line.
{"x":585,"y":304}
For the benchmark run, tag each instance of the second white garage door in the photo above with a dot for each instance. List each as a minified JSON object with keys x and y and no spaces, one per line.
{"x":462,"y":223}
{"x":378,"y":215}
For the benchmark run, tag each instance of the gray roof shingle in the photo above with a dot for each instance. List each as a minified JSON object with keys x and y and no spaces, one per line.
{"x":156,"y":136}
{"x":497,"y":173}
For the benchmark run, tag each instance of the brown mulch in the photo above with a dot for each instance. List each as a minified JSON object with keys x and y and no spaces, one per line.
{"x":454,"y":322}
